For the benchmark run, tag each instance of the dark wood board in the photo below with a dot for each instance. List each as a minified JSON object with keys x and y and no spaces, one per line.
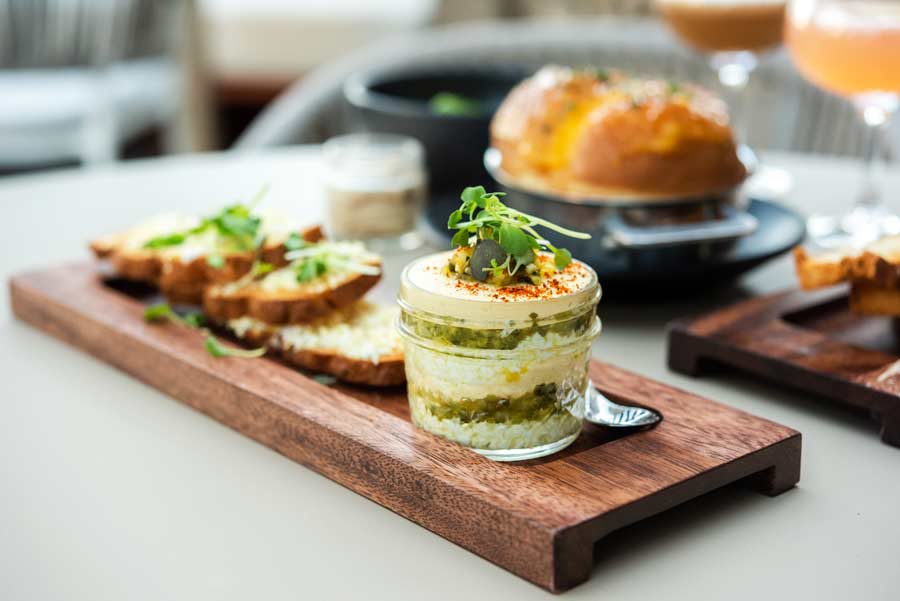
{"x":805,"y":340}
{"x":538,"y":519}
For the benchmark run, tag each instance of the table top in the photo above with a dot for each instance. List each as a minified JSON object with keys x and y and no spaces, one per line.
{"x":111,"y":490}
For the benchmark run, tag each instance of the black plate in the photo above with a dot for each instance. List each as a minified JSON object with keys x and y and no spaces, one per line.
{"x":679,"y":270}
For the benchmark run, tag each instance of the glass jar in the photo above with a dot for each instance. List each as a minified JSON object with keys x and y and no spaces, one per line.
{"x":375,"y":186}
{"x":503,"y":371}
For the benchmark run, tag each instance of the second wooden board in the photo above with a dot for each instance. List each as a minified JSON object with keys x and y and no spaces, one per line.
{"x":803,"y":340}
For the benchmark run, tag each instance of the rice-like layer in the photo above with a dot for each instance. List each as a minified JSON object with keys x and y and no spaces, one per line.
{"x":510,"y":374}
{"x":494,"y":436}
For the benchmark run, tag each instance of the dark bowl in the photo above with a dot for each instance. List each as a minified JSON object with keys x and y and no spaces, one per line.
{"x":400,"y":103}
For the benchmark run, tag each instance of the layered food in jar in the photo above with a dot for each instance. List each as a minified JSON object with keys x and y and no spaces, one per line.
{"x":497,"y":357}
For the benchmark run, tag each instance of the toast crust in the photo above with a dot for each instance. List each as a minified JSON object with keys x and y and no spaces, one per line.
{"x":284,"y":307}
{"x":389,"y":370}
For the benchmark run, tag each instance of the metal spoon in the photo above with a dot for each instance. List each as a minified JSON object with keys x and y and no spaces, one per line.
{"x":601,"y":411}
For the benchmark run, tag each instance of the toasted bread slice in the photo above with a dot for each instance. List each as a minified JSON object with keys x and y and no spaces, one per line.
{"x":868,"y":298}
{"x":280,"y":298}
{"x":125,"y":249}
{"x":824,"y":269}
{"x":183,"y":279}
{"x":879,"y":263}
{"x":356,"y":344}
{"x":182,"y":271}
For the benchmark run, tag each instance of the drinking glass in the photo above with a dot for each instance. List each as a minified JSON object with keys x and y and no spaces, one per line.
{"x":732,"y":34}
{"x":852,"y":48}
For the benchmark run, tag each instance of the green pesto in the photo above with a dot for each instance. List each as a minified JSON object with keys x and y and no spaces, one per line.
{"x":541,"y":403}
{"x":495,"y":339}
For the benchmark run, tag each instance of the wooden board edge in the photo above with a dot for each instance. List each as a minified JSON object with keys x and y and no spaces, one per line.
{"x":772,"y":470}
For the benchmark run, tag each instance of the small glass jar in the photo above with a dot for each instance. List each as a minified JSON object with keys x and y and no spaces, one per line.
{"x":375,"y":186}
{"x":503,"y":371}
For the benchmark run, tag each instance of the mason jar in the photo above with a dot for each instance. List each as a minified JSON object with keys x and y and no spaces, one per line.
{"x":503,"y":371}
{"x":375,"y":186}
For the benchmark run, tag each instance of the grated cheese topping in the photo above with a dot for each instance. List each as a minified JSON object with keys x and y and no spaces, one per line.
{"x":363,"y":331}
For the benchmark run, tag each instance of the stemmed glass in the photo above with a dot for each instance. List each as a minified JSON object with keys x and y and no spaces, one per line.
{"x":852,"y":48}
{"x":732,"y":34}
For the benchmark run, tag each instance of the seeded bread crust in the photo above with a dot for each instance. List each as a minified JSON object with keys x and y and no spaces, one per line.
{"x":284,"y":307}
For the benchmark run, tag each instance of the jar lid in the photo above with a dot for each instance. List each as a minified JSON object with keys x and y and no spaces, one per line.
{"x":374,"y":161}
{"x":426,"y":288}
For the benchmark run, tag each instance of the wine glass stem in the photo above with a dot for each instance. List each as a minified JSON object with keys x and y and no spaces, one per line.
{"x":875,"y":156}
{"x":733,"y":70}
{"x":869,"y":218}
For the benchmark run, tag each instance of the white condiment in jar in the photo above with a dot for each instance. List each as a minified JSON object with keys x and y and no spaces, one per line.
{"x":375,"y":186}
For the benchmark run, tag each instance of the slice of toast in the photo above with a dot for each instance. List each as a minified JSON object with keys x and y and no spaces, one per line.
{"x":182,"y":271}
{"x":823,"y":269}
{"x":125,"y":250}
{"x":357,"y":344}
{"x":183,"y":278}
{"x":878,"y":262}
{"x":279,"y":297}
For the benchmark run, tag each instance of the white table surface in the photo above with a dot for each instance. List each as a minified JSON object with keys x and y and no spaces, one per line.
{"x":111,"y":490}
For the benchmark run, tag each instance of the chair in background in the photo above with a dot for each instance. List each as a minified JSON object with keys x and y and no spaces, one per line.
{"x":78,"y":78}
{"x":782,"y":111}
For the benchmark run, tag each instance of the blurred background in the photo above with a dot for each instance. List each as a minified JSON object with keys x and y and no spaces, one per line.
{"x":88,"y":81}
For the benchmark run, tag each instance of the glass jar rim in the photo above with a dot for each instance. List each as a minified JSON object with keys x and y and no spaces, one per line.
{"x":484,"y":312}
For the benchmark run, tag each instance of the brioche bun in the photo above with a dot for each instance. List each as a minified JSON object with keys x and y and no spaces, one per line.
{"x":583,"y":132}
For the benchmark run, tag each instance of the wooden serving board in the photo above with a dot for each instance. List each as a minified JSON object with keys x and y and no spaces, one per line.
{"x":538,"y":519}
{"x":805,"y":340}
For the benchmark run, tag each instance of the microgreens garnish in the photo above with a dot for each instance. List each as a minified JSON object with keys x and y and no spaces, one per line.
{"x":482,"y":216}
{"x":235,"y":224}
{"x":215,"y":348}
{"x":163,"y":312}
{"x":314,"y":260}
{"x":194,"y":320}
{"x":325,"y":379}
{"x":295,"y":242}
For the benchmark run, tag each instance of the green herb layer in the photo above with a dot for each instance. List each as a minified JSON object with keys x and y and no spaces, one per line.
{"x":538,"y":405}
{"x":495,"y":339}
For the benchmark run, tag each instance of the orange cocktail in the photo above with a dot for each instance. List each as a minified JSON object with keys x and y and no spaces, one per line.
{"x":848,"y":48}
{"x":726,"y":25}
{"x":852,"y":48}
